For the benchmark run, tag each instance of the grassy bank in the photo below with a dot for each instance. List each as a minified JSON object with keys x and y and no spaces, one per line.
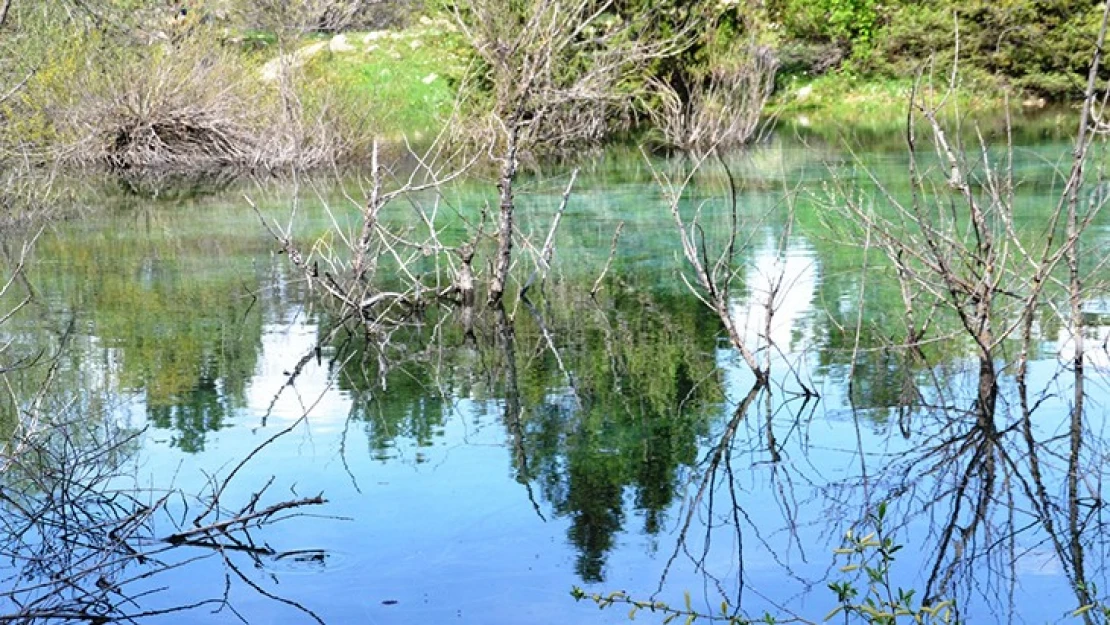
{"x":231,"y":84}
{"x":845,"y":105}
{"x":389,"y":84}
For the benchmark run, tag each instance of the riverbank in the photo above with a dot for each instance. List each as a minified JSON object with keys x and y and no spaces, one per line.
{"x":204,"y":94}
{"x":843,"y":106}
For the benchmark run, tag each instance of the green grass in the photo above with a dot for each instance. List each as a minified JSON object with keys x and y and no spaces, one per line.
{"x":849,"y":103}
{"x":392,"y":83}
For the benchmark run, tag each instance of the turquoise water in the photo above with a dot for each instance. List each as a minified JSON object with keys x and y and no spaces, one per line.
{"x":610,"y":443}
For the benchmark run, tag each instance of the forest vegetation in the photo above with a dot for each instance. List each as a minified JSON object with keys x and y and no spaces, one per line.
{"x":210,"y":84}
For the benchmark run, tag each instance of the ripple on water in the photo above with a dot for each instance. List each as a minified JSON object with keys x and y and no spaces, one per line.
{"x":308,"y":561}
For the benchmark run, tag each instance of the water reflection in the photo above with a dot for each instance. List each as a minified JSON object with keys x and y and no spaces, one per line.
{"x":609,"y":442}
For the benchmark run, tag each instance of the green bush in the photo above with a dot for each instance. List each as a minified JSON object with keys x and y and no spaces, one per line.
{"x":1038,"y":46}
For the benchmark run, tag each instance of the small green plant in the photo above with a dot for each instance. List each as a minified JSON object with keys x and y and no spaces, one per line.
{"x":872,"y":598}
{"x":1088,"y":593}
{"x":669,"y":613}
{"x":878,"y":601}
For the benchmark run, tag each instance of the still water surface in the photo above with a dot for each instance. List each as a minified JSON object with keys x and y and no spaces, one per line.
{"x":609,"y":443}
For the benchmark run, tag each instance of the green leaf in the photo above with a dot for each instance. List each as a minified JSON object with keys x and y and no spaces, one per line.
{"x":1083,"y":610}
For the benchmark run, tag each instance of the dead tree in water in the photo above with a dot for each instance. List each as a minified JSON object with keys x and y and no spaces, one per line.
{"x":713,"y":277}
{"x":348,"y":274}
{"x":957,"y":248}
{"x":557,"y":71}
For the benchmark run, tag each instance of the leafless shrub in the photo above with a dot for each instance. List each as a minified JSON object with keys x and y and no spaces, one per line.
{"x":724,"y":110}
{"x":377,"y":275}
{"x":184,"y":108}
{"x":557,"y":70}
{"x":956,"y":247}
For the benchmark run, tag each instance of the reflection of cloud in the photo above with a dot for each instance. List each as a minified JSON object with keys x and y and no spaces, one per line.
{"x":283,"y":346}
{"x":1038,"y":562}
{"x":791,"y":279}
{"x":1096,"y":314}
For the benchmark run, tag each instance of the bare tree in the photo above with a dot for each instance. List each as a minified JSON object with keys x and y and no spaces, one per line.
{"x":722,"y":111}
{"x":557,"y":70}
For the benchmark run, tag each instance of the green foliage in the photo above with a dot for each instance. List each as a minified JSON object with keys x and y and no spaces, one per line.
{"x":1042,"y":46}
{"x":686,"y":614}
{"x":878,"y":601}
{"x":1038,"y":46}
{"x":844,"y":22}
{"x":1094,"y":605}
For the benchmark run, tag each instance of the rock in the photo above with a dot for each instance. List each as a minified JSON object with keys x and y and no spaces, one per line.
{"x":339,"y":43}
{"x":272,"y":69}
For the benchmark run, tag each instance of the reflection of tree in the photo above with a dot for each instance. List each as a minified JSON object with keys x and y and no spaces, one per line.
{"x":395,"y":393}
{"x":175,"y":321}
{"x":637,"y":407}
{"x":80,"y":539}
{"x":192,"y":414}
{"x":602,"y":402}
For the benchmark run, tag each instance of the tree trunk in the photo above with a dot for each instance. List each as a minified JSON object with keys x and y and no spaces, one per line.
{"x":505,"y":223}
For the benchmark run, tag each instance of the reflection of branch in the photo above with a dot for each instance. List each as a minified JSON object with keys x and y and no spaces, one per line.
{"x":546,"y":334}
{"x":609,"y":261}
{"x":715,"y":459}
{"x":269,"y":595}
{"x":513,"y":410}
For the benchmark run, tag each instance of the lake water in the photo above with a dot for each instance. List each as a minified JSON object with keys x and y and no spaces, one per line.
{"x":607,"y":443}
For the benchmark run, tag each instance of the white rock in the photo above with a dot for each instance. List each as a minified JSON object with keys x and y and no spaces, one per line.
{"x":339,"y":44}
{"x":272,"y":69}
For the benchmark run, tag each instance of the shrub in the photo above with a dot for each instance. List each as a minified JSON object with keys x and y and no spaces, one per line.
{"x":169,"y":107}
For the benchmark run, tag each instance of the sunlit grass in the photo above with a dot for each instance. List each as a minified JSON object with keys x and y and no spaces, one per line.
{"x":392,"y":83}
